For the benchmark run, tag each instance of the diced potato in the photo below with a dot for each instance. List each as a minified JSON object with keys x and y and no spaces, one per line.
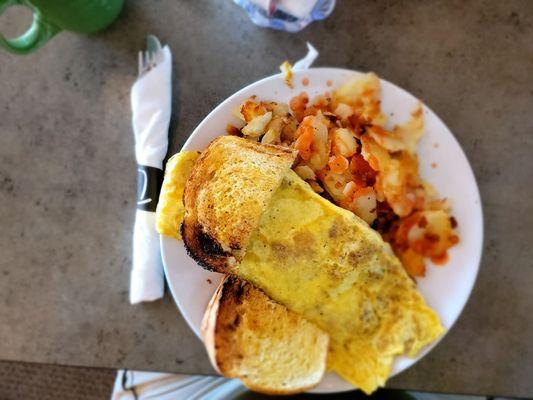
{"x":388,"y":140}
{"x":439,"y":228}
{"x":438,"y":204}
{"x":378,"y":158}
{"x":412,"y":262}
{"x":320,"y":147}
{"x":363,"y":94}
{"x":402,"y":137}
{"x":257,"y":126}
{"x":273,"y":131}
{"x":334,"y":185}
{"x":431,"y":192}
{"x":343,"y":142}
{"x":338,"y":164}
{"x":298,"y":105}
{"x":270,"y":137}
{"x":251,"y":109}
{"x":305,"y":172}
{"x":428,"y":232}
{"x":279,"y":109}
{"x":398,"y":180}
{"x":363,"y":204}
{"x":350,"y":189}
{"x":393,"y":181}
{"x":304,"y":138}
{"x":412,"y":131}
{"x":343,"y":111}
{"x":288,"y":132}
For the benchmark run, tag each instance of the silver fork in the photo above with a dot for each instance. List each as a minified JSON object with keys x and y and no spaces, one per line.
{"x":148,"y":59}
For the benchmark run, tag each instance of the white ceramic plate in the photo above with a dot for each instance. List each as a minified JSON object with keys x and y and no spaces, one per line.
{"x":446,"y":288}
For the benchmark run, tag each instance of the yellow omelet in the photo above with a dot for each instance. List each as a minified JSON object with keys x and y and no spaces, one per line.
{"x":328,"y":265}
{"x":170,"y":209}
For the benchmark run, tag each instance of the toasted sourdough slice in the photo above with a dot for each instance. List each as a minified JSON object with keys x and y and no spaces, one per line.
{"x":270,"y":348}
{"x":228,"y":190}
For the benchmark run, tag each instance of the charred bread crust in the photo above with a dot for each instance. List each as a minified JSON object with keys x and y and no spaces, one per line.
{"x":204,"y":249}
{"x":220,"y":319}
{"x":209,"y":325}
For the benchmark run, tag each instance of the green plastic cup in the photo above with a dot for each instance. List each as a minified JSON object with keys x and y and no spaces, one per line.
{"x":53,"y":16}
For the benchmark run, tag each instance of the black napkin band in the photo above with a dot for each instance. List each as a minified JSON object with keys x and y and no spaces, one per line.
{"x":149,"y":181}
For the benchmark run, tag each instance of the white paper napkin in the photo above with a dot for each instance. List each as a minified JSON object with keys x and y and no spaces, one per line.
{"x":151,"y":106}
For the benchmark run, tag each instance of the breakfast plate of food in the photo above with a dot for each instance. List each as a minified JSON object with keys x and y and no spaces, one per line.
{"x":321,"y":230}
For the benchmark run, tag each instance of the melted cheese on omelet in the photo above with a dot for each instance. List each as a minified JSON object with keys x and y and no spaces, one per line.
{"x":328,"y":265}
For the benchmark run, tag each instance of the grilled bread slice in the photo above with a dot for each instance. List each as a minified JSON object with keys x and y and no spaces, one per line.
{"x":229,"y":188}
{"x":251,"y":337}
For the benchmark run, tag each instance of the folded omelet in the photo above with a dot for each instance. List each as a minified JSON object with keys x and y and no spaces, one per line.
{"x":306,"y":253}
{"x":327,"y":264}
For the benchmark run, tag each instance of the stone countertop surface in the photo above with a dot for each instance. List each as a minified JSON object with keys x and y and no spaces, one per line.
{"x":67,"y":171}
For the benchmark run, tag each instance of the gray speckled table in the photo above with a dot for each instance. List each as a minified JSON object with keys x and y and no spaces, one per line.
{"x":67,"y":172}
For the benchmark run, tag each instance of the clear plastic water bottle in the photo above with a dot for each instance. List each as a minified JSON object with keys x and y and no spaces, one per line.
{"x":286,"y":15}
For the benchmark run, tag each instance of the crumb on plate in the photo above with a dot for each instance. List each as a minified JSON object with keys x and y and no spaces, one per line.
{"x":286,"y":70}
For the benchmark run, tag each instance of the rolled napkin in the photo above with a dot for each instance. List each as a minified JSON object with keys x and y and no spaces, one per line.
{"x":151,"y":106}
